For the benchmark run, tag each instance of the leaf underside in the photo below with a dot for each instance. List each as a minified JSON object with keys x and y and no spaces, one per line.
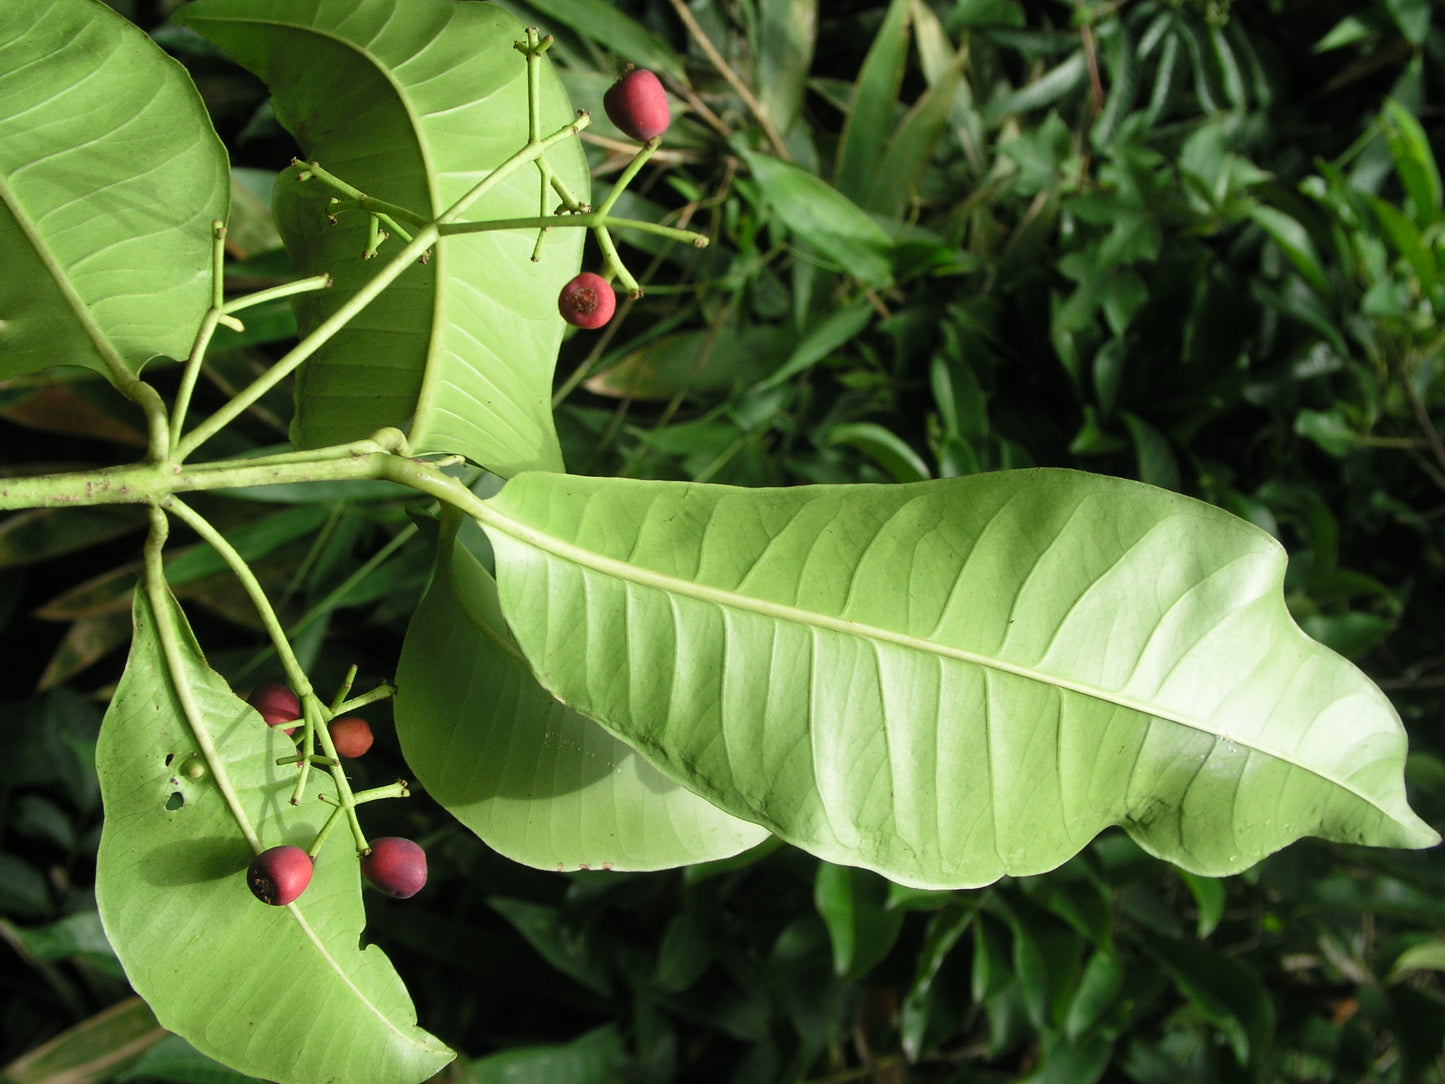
{"x":459,"y":351}
{"x":951,"y":681}
{"x":281,"y":993}
{"x":110,"y":178}
{"x":537,"y":782}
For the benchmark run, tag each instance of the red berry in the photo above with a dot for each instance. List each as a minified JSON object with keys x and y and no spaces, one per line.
{"x":279,"y":875}
{"x":350,"y":735}
{"x":395,"y":866}
{"x":587,"y":301}
{"x":637,"y":104}
{"x":276,"y":703}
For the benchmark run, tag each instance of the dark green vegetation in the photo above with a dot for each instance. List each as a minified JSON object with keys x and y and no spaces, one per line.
{"x":1192,"y":246}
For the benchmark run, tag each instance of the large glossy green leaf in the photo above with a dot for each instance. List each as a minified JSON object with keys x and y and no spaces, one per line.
{"x":283,"y":993}
{"x":537,"y":782}
{"x":415,"y":110}
{"x":110,"y":178}
{"x":949,"y":681}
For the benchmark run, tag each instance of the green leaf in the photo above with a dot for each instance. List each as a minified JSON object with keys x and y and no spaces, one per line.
{"x":854,"y":906}
{"x":42,"y":533}
{"x":1209,"y":900}
{"x":91,"y":1050}
{"x":787,"y":34}
{"x":822,"y":338}
{"x":604,"y":23}
{"x":415,"y":111}
{"x":597,"y":1057}
{"x":1407,"y":239}
{"x":887,"y":449}
{"x":823,"y":219}
{"x":1043,"y":91}
{"x":1412,"y":17}
{"x":870,"y":120}
{"x":1426,"y":956}
{"x":537,"y":782}
{"x":110,"y":178}
{"x":911,"y":146}
{"x":949,"y":681}
{"x":1227,"y":992}
{"x":1415,"y":163}
{"x":1098,"y":989}
{"x":1294,"y":241}
{"x":177,"y":1062}
{"x":283,"y":993}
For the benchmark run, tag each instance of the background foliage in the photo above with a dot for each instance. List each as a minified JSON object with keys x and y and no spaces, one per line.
{"x":1192,"y":243}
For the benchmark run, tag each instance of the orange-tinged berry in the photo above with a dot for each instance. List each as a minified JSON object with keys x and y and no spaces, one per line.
{"x":351,"y":735}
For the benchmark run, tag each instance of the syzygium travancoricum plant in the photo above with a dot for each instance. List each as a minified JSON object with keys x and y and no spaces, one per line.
{"x":944,"y":681}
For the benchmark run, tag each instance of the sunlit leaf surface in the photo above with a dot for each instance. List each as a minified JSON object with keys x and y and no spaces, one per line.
{"x":283,"y":993}
{"x":950,"y":681}
{"x":535,"y":780}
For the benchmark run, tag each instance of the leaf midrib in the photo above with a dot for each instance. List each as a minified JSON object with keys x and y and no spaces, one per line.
{"x":615,"y":568}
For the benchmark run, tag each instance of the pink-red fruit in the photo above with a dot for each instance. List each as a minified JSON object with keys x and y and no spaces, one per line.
{"x":637,"y":104}
{"x":395,"y":866}
{"x":279,"y":875}
{"x":587,"y":301}
{"x":276,"y":703}
{"x":350,"y":735}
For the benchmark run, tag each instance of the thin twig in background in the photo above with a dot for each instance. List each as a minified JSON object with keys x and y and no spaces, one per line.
{"x":726,"y":71}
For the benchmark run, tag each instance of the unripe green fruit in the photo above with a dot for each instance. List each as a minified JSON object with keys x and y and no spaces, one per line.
{"x":279,"y":875}
{"x":587,"y":301}
{"x":637,"y":104}
{"x":395,"y":866}
{"x":351,"y":735}
{"x":276,"y":703}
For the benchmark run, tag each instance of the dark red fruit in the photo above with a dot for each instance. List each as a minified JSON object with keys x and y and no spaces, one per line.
{"x":350,"y":735}
{"x":395,"y":866}
{"x":637,"y":104}
{"x":587,"y":301}
{"x":279,"y":875}
{"x":276,"y":703}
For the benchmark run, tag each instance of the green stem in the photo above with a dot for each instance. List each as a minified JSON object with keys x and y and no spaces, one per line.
{"x":150,"y":483}
{"x":634,"y":167}
{"x":344,"y":796}
{"x":308,"y":345}
{"x":295,"y":674}
{"x":614,"y":262}
{"x":159,"y":597}
{"x":202,"y":341}
{"x":340,"y":697}
{"x":424,"y":240}
{"x":603,"y":235}
{"x":190,"y":375}
{"x":381,"y":692}
{"x":147,"y":482}
{"x":307,"y":170}
{"x":286,"y":289}
{"x":315,"y":722}
{"x":582,"y":220}
{"x":399,"y":789}
{"x":330,"y":601}
{"x":529,"y":153}
{"x":320,"y":840}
